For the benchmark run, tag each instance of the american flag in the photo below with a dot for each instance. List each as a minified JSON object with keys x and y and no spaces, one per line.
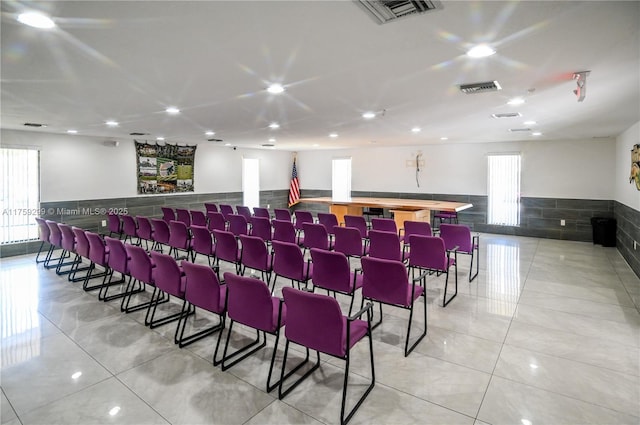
{"x":294,"y":187}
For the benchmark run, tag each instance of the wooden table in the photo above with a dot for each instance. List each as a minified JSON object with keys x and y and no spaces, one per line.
{"x":402,"y":209}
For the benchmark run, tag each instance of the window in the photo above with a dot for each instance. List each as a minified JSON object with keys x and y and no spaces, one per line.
{"x":504,"y":190}
{"x":250,"y":182}
{"x":19,"y":194}
{"x":341,"y":179}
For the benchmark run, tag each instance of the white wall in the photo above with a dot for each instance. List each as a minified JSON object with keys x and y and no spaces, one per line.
{"x":79,"y":167}
{"x":625,"y":192}
{"x":553,"y":169}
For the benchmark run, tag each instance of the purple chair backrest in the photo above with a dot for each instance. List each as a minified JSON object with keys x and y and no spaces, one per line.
{"x":261,"y":227}
{"x":288,"y":260}
{"x":201,"y":241}
{"x":314,"y":321}
{"x":456,"y":235}
{"x":244,"y":211}
{"x":118,"y":257}
{"x":384,"y":224}
{"x":216,"y":221}
{"x":249,"y":302}
{"x":168,"y":214}
{"x":427,"y":252}
{"x":226,"y":246}
{"x":203,"y":288}
{"x":303,"y":217}
{"x":44,"y":229}
{"x":198,"y":218}
{"x":386,"y":281}
{"x":167,"y":275}
{"x":82,"y":243}
{"x":161,"y":230}
{"x":145,"y":230}
{"x":331,"y":270}
{"x":284,"y":231}
{"x":238,"y":224}
{"x":348,"y":241}
{"x":55,"y":236}
{"x":183,"y":215}
{"x":254,"y":252}
{"x":129,"y":226}
{"x":358,"y":222}
{"x":139,"y":263}
{"x":282,"y":214}
{"x":97,"y":249}
{"x":226,"y":210}
{"x":68,"y":240}
{"x":384,"y":245}
{"x":315,"y":236}
{"x":210,"y":207}
{"x":261,"y":212}
{"x":113,"y":223}
{"x":178,"y":235}
{"x":328,"y":220}
{"x":422,"y":228}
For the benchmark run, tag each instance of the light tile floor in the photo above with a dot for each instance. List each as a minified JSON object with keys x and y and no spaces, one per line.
{"x":547,"y":334}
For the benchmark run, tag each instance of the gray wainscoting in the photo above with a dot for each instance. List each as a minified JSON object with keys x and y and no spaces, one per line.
{"x":628,"y":231}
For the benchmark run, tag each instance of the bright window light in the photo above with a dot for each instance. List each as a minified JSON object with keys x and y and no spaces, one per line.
{"x":341,"y":179}
{"x":20,"y":194}
{"x":504,"y":190}
{"x":480,"y":51}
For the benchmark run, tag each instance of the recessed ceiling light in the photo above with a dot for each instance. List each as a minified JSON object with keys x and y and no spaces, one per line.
{"x":275,"y":88}
{"x":272,"y":140}
{"x":480,"y":51}
{"x":416,"y":130}
{"x":114,"y":411}
{"x":112,"y":123}
{"x":274,"y":125}
{"x":76,"y":375}
{"x":368,"y":115}
{"x":209,"y":133}
{"x":72,"y":131}
{"x":36,"y":20}
{"x":444,"y":138}
{"x":515,"y":101}
{"x":172,"y":110}
{"x":529,"y":123}
{"x":315,"y":145}
{"x":227,"y":144}
{"x":537,"y":133}
{"x":525,"y":421}
{"x":160,"y":139}
{"x":333,"y":135}
{"x":533,"y":365}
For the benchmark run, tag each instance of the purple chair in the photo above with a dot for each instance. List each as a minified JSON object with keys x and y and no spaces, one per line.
{"x":261,"y":227}
{"x":386,"y":282}
{"x":44,"y":237}
{"x":422,"y":228}
{"x":209,"y":207}
{"x":316,"y":322}
{"x":348,"y":240}
{"x":331,"y":271}
{"x":114,"y":225}
{"x":201,"y":243}
{"x":384,"y":224}
{"x":261,"y":212}
{"x":161,"y":233}
{"x":227,"y":249}
{"x":168,"y":214}
{"x":250,"y":303}
{"x":282,"y":214}
{"x":55,"y":239}
{"x":118,"y":261}
{"x":384,"y":245}
{"x":284,"y":231}
{"x":460,"y":235}
{"x":178,"y":239}
{"x":129,"y":229}
{"x":198,"y":218}
{"x":428,"y":253}
{"x":169,"y":280}
{"x":329,"y":221}
{"x":144,"y":231}
{"x":359,"y":223}
{"x":98,"y":255}
{"x":301,"y":218}
{"x":225,"y":210}
{"x":244,"y":211}
{"x":82,"y":250}
{"x":203,"y":290}
{"x":288,"y":262}
{"x":238,"y":224}
{"x":216,"y":221}
{"x":68,"y":244}
{"x":141,"y":273}
{"x":183,"y":215}
{"x":255,"y":255}
{"x":450,"y":216}
{"x":315,"y":236}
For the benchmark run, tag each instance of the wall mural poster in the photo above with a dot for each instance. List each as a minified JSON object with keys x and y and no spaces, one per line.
{"x":164,"y":168}
{"x":635,"y":166}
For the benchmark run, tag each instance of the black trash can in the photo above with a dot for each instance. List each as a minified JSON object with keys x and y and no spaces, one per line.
{"x":604,"y":231}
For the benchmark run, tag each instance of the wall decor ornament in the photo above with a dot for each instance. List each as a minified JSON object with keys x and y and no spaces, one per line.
{"x":164,"y":168}
{"x":635,"y":166}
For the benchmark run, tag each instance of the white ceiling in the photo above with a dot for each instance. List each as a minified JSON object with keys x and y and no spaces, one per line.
{"x":128,"y":61}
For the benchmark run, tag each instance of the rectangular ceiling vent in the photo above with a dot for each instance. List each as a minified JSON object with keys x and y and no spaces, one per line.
{"x":384,"y":11}
{"x":487,"y":86}
{"x":507,"y":115}
{"x":515,"y":130}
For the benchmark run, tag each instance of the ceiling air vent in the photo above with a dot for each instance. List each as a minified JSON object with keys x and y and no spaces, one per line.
{"x":515,"y":130}
{"x":214,"y":140}
{"x":480,"y":87}
{"x":507,"y":115}
{"x":384,"y":11}
{"x":135,"y":133}
{"x":34,"y":124}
